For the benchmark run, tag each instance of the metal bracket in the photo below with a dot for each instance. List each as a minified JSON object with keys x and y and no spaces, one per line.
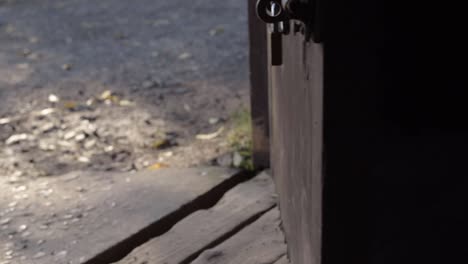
{"x":280,"y":14}
{"x":303,"y":13}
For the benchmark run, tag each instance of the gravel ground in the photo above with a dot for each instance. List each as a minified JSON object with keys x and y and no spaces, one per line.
{"x":110,"y":85}
{"x":118,"y":85}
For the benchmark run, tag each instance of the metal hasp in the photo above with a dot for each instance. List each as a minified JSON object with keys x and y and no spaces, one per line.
{"x":280,"y":14}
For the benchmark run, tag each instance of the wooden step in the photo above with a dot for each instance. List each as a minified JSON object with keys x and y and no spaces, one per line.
{"x":204,"y":229}
{"x":259,"y":243}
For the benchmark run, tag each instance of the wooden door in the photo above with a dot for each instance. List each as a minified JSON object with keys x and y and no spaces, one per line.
{"x":320,"y":105}
{"x":296,"y":99}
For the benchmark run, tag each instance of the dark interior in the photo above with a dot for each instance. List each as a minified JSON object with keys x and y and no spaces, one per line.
{"x":395,"y":132}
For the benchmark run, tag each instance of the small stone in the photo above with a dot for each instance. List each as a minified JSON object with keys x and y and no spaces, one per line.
{"x":40,"y":242}
{"x":23,"y":66}
{"x":21,"y":188}
{"x":106,"y":95}
{"x":109,"y":149}
{"x":53,"y":98}
{"x":15,"y":178}
{"x":46,"y":128}
{"x":168,"y":154}
{"x":43,"y":145}
{"x":68,"y":216}
{"x":237,"y":159}
{"x":90,"y":102}
{"x":83,"y":159}
{"x":213,"y":121}
{"x":47,"y":192}
{"x":14,"y":139}
{"x":65,"y":144}
{"x":47,"y":111}
{"x":80,"y":189}
{"x":216,"y":31}
{"x":39,"y":255}
{"x":62,"y":254}
{"x":66,"y":67}
{"x":80,"y":137}
{"x":89,"y":144}
{"x":25,"y":52}
{"x":69,"y":135}
{"x":33,"y":56}
{"x":5,"y":221}
{"x":185,"y":56}
{"x":22,"y":228}
{"x":4,"y":121}
{"x":126,"y":103}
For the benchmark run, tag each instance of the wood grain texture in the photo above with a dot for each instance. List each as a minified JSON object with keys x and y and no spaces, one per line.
{"x":259,"y":88}
{"x":260,"y":242}
{"x":296,"y":112}
{"x":203,"y":228}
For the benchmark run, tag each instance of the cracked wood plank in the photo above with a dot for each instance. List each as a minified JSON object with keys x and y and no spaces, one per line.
{"x":96,"y":211}
{"x":262,"y":242}
{"x":206,"y":228}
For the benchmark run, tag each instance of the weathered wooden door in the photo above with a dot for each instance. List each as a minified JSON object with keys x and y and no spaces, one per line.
{"x":295,"y":79}
{"x":320,"y":95}
{"x":296,"y":127}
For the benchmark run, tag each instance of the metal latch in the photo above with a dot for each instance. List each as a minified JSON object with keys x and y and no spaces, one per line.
{"x":280,"y":15}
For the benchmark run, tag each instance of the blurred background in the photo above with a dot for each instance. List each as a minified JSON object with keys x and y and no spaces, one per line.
{"x":112,"y":85}
{"x":120,"y":85}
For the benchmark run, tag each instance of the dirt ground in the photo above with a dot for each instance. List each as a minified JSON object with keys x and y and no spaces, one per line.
{"x":111,"y":85}
{"x":118,"y":85}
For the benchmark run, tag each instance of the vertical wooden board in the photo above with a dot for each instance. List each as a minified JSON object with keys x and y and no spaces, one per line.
{"x":259,"y":88}
{"x":296,"y":105}
{"x":205,"y":228}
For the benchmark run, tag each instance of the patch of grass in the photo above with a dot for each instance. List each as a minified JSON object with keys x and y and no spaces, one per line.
{"x":240,"y":137}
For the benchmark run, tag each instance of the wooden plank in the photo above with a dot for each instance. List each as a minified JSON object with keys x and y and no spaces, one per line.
{"x":203,"y":229}
{"x":283,"y":260}
{"x":259,"y":88}
{"x":75,"y":217}
{"x":260,"y":242}
{"x":296,"y":105}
